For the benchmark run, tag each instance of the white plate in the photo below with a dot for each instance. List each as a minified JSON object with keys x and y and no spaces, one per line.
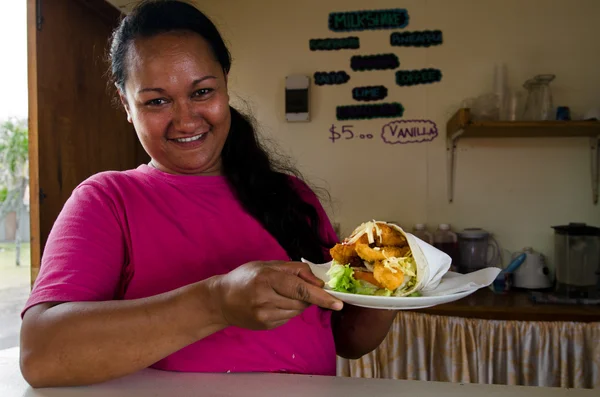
{"x":391,"y":302}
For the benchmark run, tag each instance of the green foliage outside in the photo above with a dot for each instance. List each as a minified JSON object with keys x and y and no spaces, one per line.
{"x":14,"y":173}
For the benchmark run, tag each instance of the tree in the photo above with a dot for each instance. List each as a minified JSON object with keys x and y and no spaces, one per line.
{"x":14,"y":173}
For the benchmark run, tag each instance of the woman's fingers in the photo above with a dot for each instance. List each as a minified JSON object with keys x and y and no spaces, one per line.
{"x":303,"y":271}
{"x":308,"y":276}
{"x":285,"y":303}
{"x":293,"y":287}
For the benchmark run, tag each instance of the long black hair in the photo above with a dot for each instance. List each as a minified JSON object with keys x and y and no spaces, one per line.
{"x":261,"y":183}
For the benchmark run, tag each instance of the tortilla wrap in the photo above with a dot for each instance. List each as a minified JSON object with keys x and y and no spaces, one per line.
{"x":431,"y":263}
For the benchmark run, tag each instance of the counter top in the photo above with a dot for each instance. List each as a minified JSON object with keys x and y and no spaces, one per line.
{"x":515,"y":305}
{"x":168,"y":384}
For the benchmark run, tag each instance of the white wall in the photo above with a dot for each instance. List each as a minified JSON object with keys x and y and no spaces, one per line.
{"x":516,"y":188}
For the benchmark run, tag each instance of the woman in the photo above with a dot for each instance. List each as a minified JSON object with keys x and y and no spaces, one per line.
{"x":189,"y":263}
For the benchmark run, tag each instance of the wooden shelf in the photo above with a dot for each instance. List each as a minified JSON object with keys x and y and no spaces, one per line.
{"x":462,"y":126}
{"x":462,"y":123}
{"x":515,"y":305}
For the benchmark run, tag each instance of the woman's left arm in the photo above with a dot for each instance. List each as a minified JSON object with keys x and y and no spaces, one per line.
{"x":358,"y":331}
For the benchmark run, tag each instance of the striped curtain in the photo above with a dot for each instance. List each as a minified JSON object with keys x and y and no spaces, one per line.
{"x":453,"y":349}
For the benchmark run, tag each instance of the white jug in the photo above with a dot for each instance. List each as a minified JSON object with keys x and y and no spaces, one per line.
{"x":533,"y":273}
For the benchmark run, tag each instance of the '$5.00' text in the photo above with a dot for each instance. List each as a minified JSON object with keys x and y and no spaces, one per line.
{"x":345,"y":133}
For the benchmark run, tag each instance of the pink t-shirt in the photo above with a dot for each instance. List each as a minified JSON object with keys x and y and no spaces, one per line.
{"x":142,"y":232}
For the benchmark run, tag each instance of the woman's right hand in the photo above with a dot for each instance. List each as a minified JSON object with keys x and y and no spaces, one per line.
{"x":265,"y":295}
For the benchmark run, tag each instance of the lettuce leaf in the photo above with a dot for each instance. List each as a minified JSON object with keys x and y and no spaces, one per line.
{"x":341,"y":279}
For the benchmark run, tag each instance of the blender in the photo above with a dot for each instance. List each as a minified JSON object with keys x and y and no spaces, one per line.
{"x":475,"y":246}
{"x":577,"y":257}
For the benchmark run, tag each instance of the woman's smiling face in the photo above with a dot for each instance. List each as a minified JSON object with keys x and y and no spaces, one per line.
{"x":176,"y":97}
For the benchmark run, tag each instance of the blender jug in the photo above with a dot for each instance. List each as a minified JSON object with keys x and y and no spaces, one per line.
{"x":577,"y":257}
{"x":474,"y":246}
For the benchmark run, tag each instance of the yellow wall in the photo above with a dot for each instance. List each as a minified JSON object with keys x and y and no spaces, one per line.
{"x":516,"y":188}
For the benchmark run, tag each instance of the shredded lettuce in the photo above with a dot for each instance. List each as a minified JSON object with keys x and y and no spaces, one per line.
{"x":406,"y":264}
{"x":383,"y":292}
{"x":366,"y":288}
{"x":406,"y":287}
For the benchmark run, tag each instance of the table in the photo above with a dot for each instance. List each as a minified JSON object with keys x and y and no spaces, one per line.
{"x":515,"y":305}
{"x":155,"y":383}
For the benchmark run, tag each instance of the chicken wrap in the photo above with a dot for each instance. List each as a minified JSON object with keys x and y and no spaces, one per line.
{"x":379,"y":258}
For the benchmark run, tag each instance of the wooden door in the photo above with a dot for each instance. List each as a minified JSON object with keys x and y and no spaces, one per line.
{"x":75,"y":129}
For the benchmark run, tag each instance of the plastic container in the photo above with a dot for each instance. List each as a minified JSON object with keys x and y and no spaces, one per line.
{"x":421,"y":232}
{"x":446,"y":240}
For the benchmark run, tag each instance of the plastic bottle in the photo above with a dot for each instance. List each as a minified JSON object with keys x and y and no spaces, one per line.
{"x":446,"y":240}
{"x":421,"y":232}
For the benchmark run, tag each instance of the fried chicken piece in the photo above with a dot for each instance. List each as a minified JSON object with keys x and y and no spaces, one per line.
{"x":364,"y":239}
{"x":389,"y":236}
{"x":387,"y":277}
{"x":344,"y":253}
{"x":380,"y":253}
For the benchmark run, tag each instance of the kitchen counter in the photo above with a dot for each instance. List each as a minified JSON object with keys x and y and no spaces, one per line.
{"x":158,"y":383}
{"x":515,"y":305}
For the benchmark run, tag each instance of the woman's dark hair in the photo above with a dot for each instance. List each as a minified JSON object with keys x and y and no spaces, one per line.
{"x":262,"y":184}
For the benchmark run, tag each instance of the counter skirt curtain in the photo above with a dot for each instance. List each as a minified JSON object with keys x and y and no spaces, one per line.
{"x":454,"y":349}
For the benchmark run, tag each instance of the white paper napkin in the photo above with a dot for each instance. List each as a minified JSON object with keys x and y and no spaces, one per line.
{"x":455,"y":282}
